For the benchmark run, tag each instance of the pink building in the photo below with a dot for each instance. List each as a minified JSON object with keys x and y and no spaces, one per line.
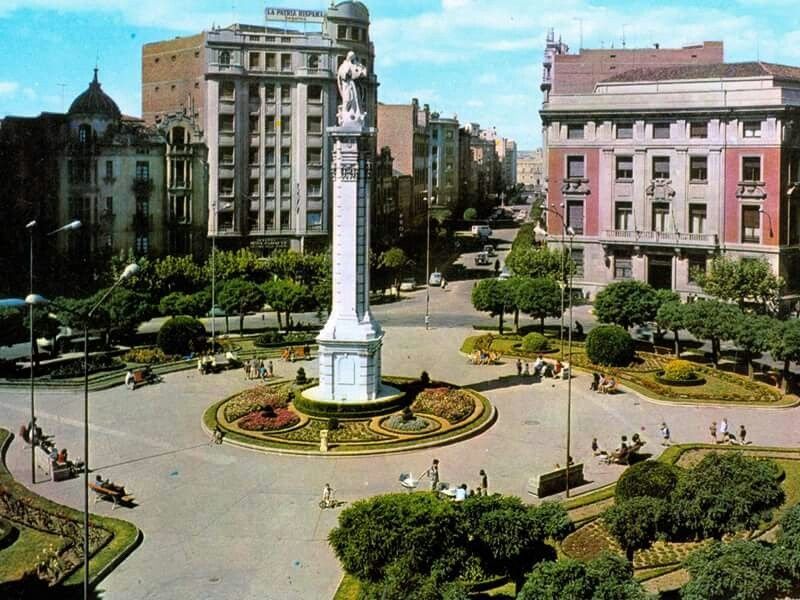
{"x":659,"y":169}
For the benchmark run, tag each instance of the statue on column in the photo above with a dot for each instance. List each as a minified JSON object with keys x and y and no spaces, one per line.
{"x":350,"y":71}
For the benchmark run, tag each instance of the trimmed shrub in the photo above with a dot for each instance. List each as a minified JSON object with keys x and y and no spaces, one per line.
{"x":535,"y":342}
{"x":679,"y":370}
{"x":333,"y":424}
{"x":74,"y":368}
{"x":148,"y":356}
{"x":650,"y":479}
{"x":470,"y":214}
{"x":182,"y":335}
{"x":609,"y":345}
{"x":300,"y":378}
{"x":268,"y":338}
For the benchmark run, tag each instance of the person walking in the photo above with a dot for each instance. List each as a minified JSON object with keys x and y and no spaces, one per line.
{"x":723,"y":430}
{"x":713,"y":431}
{"x":484,"y":489}
{"x":742,"y":435}
{"x":519,"y":367}
{"x":665,"y":441}
{"x":433,"y":474}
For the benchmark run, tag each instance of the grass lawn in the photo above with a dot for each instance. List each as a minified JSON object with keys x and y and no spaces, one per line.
{"x":348,"y":589}
{"x":21,"y":555}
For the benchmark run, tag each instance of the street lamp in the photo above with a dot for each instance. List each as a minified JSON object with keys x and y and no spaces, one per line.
{"x":130,"y":270}
{"x":214,"y":274}
{"x":564,"y":226}
{"x":769,"y":216}
{"x":31,"y":300}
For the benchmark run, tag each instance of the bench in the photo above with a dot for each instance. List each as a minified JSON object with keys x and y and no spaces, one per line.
{"x":112,"y":495}
{"x":300,"y":352}
{"x":139,"y":377}
{"x":553,"y":482}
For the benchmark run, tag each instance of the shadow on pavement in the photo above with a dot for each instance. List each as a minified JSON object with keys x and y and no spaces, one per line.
{"x":31,"y":588}
{"x":141,"y":458}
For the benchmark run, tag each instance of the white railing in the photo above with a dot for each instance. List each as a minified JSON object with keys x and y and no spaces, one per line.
{"x":660,"y":237}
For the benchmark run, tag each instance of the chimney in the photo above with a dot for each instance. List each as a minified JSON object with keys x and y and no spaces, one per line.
{"x":657,"y":45}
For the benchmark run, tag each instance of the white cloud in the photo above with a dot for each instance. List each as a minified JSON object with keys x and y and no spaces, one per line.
{"x":8,"y":88}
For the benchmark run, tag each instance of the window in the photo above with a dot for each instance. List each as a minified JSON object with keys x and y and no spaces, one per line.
{"x":314,"y":124}
{"x":698,"y":168}
{"x":751,"y":225}
{"x":286,"y":187}
{"x":142,"y":243}
{"x":269,"y":124}
{"x":575,"y":132}
{"x":660,"y":131}
{"x":624,"y":131}
{"x":269,"y":93}
{"x":314,"y":156}
{"x":224,"y":57}
{"x":577,"y":260}
{"x":661,"y":216}
{"x":575,"y":216}
{"x":143,"y":206}
{"x":226,"y":123}
{"x":624,"y":167}
{"x":225,"y":221}
{"x":226,"y":155}
{"x":751,"y":129}
{"x":448,"y":134}
{"x":697,"y":218}
{"x":226,"y":187}
{"x":286,"y":157}
{"x":269,"y":219}
{"x":227,"y":90}
{"x":255,"y":60}
{"x":254,"y":156}
{"x":315,"y":93}
{"x":751,"y":168}
{"x":623,"y":268}
{"x":252,"y":220}
{"x":84,"y":134}
{"x":109,"y":205}
{"x":698,"y":129}
{"x":253,"y":92}
{"x":286,"y":93}
{"x":269,"y":156}
{"x":271,"y":61}
{"x":109,"y":169}
{"x":661,"y":167}
{"x":142,"y":170}
{"x":253,"y":124}
{"x":269,"y":187}
{"x":179,"y":208}
{"x":178,"y":136}
{"x":285,"y":219}
{"x":314,"y":221}
{"x":575,"y":166}
{"x":314,"y":187}
{"x":623,"y":216}
{"x":286,"y":125}
{"x":697,"y":266}
{"x":313,"y":62}
{"x":286,"y":62}
{"x":341,"y":32}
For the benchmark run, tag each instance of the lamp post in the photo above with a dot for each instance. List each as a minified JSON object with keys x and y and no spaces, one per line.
{"x":560,"y":216}
{"x":31,"y":300}
{"x":428,"y":234}
{"x":130,"y":270}
{"x":769,"y":217}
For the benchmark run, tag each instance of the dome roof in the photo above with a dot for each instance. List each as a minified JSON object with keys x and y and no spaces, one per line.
{"x":95,"y":101}
{"x":350,"y":10}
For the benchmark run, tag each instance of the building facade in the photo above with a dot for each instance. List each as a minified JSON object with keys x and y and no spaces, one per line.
{"x":659,"y":170}
{"x":265,"y":96}
{"x":445,"y":162}
{"x":530,"y":169}
{"x":506,"y":150}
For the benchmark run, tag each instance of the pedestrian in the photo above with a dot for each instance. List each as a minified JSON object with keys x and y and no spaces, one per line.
{"x":527,"y":370}
{"x":723,"y":430}
{"x":444,"y":283}
{"x":484,"y":489}
{"x":595,"y":386}
{"x":129,"y":383}
{"x":433,"y":474}
{"x":578,"y":329}
{"x":742,"y":435}
{"x":713,"y":431}
{"x":496,"y":266}
{"x":665,"y":441}
{"x":519,"y":367}
{"x":270,"y":369}
{"x":596,"y":447}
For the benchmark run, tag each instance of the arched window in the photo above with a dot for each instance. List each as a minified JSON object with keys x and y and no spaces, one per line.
{"x":84,"y":134}
{"x":178,"y":136}
{"x":224,"y":57}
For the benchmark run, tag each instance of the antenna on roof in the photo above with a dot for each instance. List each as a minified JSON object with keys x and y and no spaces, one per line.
{"x":623,"y":34}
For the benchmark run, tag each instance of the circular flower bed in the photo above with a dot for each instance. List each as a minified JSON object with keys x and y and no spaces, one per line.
{"x":679,"y":372}
{"x":416,"y":424}
{"x":453,"y":405}
{"x":269,"y":420}
{"x":256,"y":399}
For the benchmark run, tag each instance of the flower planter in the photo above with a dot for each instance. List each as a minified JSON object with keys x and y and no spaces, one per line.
{"x":678,"y":382}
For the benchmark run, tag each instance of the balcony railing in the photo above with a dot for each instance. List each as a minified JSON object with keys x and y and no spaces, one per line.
{"x":669,"y":238}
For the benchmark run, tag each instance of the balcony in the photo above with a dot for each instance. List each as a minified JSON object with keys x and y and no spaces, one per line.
{"x":573,"y":185}
{"x":141,"y":221}
{"x":142,"y":186}
{"x":752,"y":190}
{"x":659,"y":238}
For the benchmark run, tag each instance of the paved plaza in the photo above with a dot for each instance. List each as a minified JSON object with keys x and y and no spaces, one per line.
{"x":222,"y":522}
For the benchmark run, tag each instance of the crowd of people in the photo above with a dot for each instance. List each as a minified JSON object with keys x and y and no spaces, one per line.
{"x":721,"y":434}
{"x":622,"y":454}
{"x":602,"y":383}
{"x":542,"y":368}
{"x":257,"y":368}
{"x":463,"y":491}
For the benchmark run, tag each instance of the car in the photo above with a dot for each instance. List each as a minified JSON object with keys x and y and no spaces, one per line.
{"x":481,"y":258}
{"x":408,"y":284}
{"x":481,"y":231}
{"x":504,"y":273}
{"x":489,"y":249}
{"x":216,"y":312}
{"x":435,"y":278}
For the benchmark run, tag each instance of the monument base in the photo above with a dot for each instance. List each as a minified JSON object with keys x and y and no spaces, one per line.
{"x":349,"y":369}
{"x":314,"y":402}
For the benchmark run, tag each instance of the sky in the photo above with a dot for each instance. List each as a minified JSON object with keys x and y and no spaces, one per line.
{"x":477,"y":59}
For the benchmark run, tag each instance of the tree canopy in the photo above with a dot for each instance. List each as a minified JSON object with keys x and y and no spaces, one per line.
{"x":740,"y":281}
{"x":286,"y":296}
{"x":494,"y":296}
{"x":539,"y":261}
{"x":239,"y":296}
{"x":626,"y":303}
{"x":712,"y":320}
{"x":540,"y":297}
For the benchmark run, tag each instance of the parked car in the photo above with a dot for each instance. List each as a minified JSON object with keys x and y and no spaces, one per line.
{"x":216,"y":312}
{"x":504,"y":273}
{"x":489,"y":249}
{"x":481,"y":231}
{"x":481,"y":258}
{"x":408,"y":284}
{"x":435,"y":278}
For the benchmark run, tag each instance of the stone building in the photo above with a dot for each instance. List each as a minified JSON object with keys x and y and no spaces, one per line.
{"x":264,"y":97}
{"x":530,"y":169}
{"x":445,"y":161}
{"x":385,"y":217}
{"x":506,"y":150}
{"x":658,"y":170}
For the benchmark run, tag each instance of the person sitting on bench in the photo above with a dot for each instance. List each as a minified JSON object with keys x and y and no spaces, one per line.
{"x":547,"y":370}
{"x":595,"y":382}
{"x":61,"y":458}
{"x":538,"y":365}
{"x":557,"y":368}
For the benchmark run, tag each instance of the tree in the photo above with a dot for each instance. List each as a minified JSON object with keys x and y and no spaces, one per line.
{"x":711,"y":320}
{"x":179,"y":303}
{"x":285,"y":296}
{"x":607,"y":577}
{"x":181,"y":335}
{"x":177,"y":274}
{"x":240,"y":264}
{"x":470,"y":214}
{"x":495,"y":297}
{"x":626,"y":303}
{"x":672,"y":316}
{"x":394,"y":260}
{"x":240,"y":296}
{"x":663,"y":296}
{"x":636,"y":523}
{"x":751,"y":333}
{"x":540,"y":298}
{"x":735,"y":570}
{"x":784,"y":345}
{"x":741,"y":280}
{"x":539,"y":261}
{"x":650,"y":478}
{"x":724,"y":493}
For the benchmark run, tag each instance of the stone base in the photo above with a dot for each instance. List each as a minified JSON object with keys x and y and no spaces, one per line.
{"x":315,"y":401}
{"x":349,"y":370}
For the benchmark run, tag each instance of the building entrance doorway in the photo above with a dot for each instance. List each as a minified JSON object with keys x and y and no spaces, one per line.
{"x":659,"y":272}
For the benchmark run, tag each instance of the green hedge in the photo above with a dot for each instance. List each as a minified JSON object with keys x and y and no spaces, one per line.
{"x":182,"y":335}
{"x":609,"y":345}
{"x":535,"y":342}
{"x":351,"y":410}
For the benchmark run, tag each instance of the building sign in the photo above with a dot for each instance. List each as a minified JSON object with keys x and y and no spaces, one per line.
{"x":294,"y":14}
{"x":270,"y":243}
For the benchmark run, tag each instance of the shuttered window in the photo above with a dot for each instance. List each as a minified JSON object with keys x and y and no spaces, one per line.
{"x":575,"y":216}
